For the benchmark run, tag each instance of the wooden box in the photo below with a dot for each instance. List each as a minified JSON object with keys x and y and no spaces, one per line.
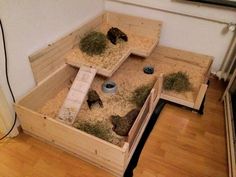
{"x":52,"y":75}
{"x":90,"y":148}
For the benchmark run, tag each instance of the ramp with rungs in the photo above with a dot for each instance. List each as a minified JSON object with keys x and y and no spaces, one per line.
{"x":76,"y":95}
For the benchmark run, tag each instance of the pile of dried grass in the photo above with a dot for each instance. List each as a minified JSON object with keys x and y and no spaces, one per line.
{"x":94,"y":43}
{"x":98,"y":129}
{"x":140,"y":94}
{"x":177,"y":81}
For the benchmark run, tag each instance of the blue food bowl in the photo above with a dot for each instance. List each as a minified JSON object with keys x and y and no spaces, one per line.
{"x":109,"y":87}
{"x":148,"y":70}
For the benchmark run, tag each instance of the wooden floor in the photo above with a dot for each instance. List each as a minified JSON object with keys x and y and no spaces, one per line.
{"x":182,"y":144}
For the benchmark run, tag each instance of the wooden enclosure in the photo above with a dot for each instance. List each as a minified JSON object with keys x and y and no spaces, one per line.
{"x":52,"y":74}
{"x":90,"y":148}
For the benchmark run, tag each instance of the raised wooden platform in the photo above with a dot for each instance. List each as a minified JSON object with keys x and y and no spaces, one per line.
{"x":198,"y":68}
{"x":143,"y":36}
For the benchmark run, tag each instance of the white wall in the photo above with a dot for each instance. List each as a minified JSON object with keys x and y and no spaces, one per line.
{"x":184,"y":32}
{"x":32,"y":24}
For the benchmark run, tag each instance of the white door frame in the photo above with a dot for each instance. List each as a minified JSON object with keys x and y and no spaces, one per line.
{"x":6,"y":116}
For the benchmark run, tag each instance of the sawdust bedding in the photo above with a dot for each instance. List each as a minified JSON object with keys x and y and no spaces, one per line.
{"x":113,"y":104}
{"x":128,"y":77}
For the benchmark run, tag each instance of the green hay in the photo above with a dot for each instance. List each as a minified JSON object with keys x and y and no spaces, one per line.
{"x":94,"y":43}
{"x":177,"y":81}
{"x":140,"y":94}
{"x":98,"y":129}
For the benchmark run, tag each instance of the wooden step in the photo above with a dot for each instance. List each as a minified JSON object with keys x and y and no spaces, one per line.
{"x":76,"y":95}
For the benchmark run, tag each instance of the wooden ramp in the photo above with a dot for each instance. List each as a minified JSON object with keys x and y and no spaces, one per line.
{"x":76,"y":95}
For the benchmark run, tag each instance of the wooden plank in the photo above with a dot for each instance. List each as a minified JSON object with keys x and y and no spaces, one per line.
{"x":44,"y":59}
{"x":160,"y":84}
{"x":52,"y":56}
{"x":177,"y":100}
{"x":156,"y":88}
{"x":229,"y":135}
{"x":41,"y":74}
{"x":208,"y":72}
{"x":141,"y":26}
{"x":113,"y":169}
{"x":118,"y":64}
{"x":102,"y":71}
{"x":48,"y":88}
{"x":152,"y":99}
{"x":51,"y":50}
{"x":76,"y":95}
{"x":200,"y":96}
{"x":139,"y":134}
{"x":229,"y":85}
{"x":156,"y":92}
{"x":147,"y":52}
{"x":196,"y":59}
{"x":91,"y":148}
{"x":139,"y":121}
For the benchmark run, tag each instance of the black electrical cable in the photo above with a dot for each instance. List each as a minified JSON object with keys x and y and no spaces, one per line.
{"x":7,"y":78}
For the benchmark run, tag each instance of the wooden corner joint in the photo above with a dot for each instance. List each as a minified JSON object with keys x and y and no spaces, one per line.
{"x":200,"y":96}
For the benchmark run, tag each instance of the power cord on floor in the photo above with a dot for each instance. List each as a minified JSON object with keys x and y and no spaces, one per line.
{"x":7,"y":78}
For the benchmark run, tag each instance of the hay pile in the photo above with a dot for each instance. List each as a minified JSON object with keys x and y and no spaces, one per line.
{"x":178,"y":82}
{"x":140,"y":94}
{"x":98,"y":129}
{"x":94,"y":43}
